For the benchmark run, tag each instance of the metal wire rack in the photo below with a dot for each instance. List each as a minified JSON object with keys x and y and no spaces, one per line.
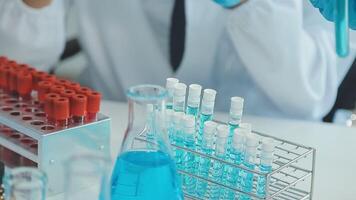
{"x":291,"y":178}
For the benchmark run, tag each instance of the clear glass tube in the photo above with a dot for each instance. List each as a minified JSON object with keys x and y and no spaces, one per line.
{"x":342,"y":27}
{"x":25,"y":183}
{"x":142,"y":171}
{"x":87,"y":177}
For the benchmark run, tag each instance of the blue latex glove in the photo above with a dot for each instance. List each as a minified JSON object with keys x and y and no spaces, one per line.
{"x":327,"y":9}
{"x":228,"y":3}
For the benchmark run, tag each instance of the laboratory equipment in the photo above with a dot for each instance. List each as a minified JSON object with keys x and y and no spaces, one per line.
{"x":32,"y":134}
{"x":235,"y":116}
{"x":170,"y":84}
{"x":206,"y":112}
{"x":178,"y":138}
{"x":193,"y":103}
{"x":342,"y":27}
{"x":145,"y":171}
{"x":218,"y":168}
{"x":25,"y":183}
{"x":87,"y":177}
{"x":180,"y":90}
{"x":266,"y":160}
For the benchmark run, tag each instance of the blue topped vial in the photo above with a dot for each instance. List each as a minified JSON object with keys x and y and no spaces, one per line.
{"x":193,"y":102}
{"x":218,"y":168}
{"x":190,"y":160}
{"x":170,"y":83}
{"x":250,"y":163}
{"x":180,"y":90}
{"x":207,"y":148}
{"x":266,"y":160}
{"x":206,"y":112}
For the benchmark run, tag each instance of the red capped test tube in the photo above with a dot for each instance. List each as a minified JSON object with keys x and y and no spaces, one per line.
{"x":72,"y":86}
{"x":68,"y":93}
{"x":49,"y":105}
{"x":83,"y":90}
{"x":93,"y":106}
{"x":24,"y":85}
{"x":61,"y":111}
{"x":62,"y":82}
{"x":48,"y":77}
{"x":43,"y":88}
{"x":78,"y":107}
{"x":37,"y":77}
{"x":12,"y":81}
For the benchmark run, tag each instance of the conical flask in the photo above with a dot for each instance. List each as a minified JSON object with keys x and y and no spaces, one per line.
{"x":145,"y":169}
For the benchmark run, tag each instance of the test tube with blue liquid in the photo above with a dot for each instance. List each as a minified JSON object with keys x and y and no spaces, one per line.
{"x":170,"y":84}
{"x":218,"y":168}
{"x":342,"y":27}
{"x":178,"y":138}
{"x":180,"y":90}
{"x":206,"y":112}
{"x":235,"y":116}
{"x":190,"y":160}
{"x":266,"y":160}
{"x":193,"y":101}
{"x":207,"y":148}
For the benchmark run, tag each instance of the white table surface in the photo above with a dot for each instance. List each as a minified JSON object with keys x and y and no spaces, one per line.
{"x":336,"y":146}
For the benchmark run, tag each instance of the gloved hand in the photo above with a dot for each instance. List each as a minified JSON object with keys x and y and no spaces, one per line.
{"x":327,"y":9}
{"x":228,"y":3}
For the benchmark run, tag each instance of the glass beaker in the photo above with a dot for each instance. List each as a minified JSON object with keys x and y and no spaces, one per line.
{"x":87,"y":177}
{"x":145,"y":169}
{"x":25,"y":183}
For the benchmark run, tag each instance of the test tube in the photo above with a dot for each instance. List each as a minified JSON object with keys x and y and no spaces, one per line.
{"x":37,"y":77}
{"x":57,"y":89}
{"x":43,"y":88}
{"x":48,"y":106}
{"x":73,"y":86}
{"x":342,"y":27}
{"x":78,"y":107}
{"x":61,"y":111}
{"x":24,"y":85}
{"x":62,"y":82}
{"x":93,"y":105}
{"x":12,"y":81}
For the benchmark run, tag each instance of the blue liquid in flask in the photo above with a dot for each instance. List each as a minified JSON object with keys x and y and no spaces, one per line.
{"x":145,"y":175}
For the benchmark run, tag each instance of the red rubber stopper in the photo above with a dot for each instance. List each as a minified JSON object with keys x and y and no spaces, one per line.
{"x":73,"y":86}
{"x":12,"y":81}
{"x":78,"y":105}
{"x":24,"y":83}
{"x":5,"y":76}
{"x":83,"y":90}
{"x":57,"y":89}
{"x":43,"y":88}
{"x":61,"y":108}
{"x":48,"y":103}
{"x":68,"y":93}
{"x":3,"y":59}
{"x":62,"y":82}
{"x":48,"y":77}
{"x":36,"y":78}
{"x":94,"y":99}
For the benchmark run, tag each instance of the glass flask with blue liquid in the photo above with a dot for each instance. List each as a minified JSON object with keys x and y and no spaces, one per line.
{"x":145,"y":169}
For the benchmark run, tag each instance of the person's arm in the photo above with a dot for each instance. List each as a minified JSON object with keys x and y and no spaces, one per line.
{"x":288,"y":50}
{"x":37,"y":3}
{"x":32,"y":35}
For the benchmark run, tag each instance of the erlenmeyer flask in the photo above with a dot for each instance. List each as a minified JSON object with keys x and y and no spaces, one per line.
{"x":145,"y":169}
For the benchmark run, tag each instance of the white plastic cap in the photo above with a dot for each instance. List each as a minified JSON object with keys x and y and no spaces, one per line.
{"x":177,"y":117}
{"x":171,"y":82}
{"x":189,"y":121}
{"x":239,"y":137}
{"x":237,"y":104}
{"x":222,"y":131}
{"x":251,"y":140}
{"x":180,"y":89}
{"x":209,"y":95}
{"x":195,"y":90}
{"x":209,"y":127}
{"x":247,"y":127}
{"x":268,"y":144}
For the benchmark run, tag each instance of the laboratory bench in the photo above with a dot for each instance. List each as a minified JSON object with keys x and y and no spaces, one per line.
{"x":335,"y":148}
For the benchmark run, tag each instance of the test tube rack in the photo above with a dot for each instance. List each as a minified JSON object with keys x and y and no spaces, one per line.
{"x":55,"y":145}
{"x":292,"y":177}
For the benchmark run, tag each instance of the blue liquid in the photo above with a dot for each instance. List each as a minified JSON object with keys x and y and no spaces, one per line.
{"x":192,"y":111}
{"x":246,"y":181}
{"x":232,"y":174}
{"x":261,"y":182}
{"x":217,"y":175}
{"x":203,"y":171}
{"x":232,"y":128}
{"x":145,"y":175}
{"x":342,"y":28}
{"x":190,"y":166}
{"x":203,"y":118}
{"x":179,"y":153}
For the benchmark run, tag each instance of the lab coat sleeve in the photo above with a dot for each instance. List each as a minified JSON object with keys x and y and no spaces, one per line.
{"x":289,"y":53}
{"x":33,"y":36}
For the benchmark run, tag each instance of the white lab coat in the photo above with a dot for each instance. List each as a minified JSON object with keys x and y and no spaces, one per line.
{"x":277,"y":54}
